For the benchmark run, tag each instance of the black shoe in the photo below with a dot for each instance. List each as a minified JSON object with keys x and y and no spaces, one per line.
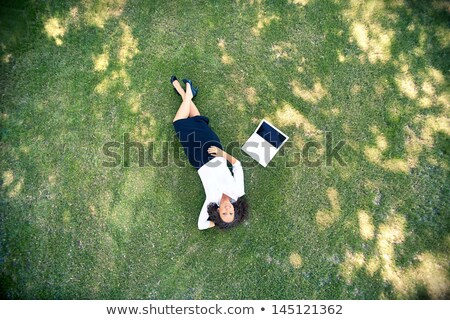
{"x":172,"y":79}
{"x":194,"y":90}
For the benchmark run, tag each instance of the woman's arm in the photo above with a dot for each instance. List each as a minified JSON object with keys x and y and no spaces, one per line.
{"x":203,"y":222}
{"x":217,"y":152}
{"x":238,"y":173}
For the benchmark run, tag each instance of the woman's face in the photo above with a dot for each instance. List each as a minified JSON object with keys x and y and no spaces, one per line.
{"x":226,"y":211}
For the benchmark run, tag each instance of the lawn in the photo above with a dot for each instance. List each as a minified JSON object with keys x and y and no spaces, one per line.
{"x":78,"y":74}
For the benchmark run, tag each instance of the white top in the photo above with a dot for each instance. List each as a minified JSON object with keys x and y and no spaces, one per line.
{"x":217,"y":179}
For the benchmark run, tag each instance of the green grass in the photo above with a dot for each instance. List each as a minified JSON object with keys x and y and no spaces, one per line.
{"x":375,"y":75}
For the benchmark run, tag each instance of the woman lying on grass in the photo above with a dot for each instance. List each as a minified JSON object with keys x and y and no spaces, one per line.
{"x":225,"y":205}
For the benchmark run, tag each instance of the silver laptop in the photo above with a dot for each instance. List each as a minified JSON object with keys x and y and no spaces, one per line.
{"x":264,"y":143}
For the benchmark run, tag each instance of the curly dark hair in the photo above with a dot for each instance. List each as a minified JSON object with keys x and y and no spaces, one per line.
{"x":240,"y":213}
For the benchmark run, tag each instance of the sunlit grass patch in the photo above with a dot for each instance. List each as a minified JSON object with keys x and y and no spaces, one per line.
{"x":8,"y":178}
{"x":311,"y":95}
{"x":287,"y":115}
{"x":226,"y":58}
{"x":54,"y":29}
{"x":101,"y":62}
{"x":128,"y":44}
{"x":98,"y":12}
{"x":263,"y":21}
{"x":326,"y":218}
{"x":370,"y":35}
{"x":366,"y":227}
{"x":353,"y":262}
{"x":295,"y":260}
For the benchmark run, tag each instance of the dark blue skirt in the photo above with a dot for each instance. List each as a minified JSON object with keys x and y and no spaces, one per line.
{"x":196,"y":137}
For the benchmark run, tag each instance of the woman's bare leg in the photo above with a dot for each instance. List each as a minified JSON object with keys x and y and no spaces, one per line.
{"x":184,"y":109}
{"x":193,"y":109}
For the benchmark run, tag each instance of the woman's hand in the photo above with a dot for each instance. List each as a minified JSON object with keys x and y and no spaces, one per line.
{"x":216,"y":152}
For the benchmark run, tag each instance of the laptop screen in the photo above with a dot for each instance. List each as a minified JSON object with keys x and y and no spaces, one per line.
{"x":270,"y":134}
